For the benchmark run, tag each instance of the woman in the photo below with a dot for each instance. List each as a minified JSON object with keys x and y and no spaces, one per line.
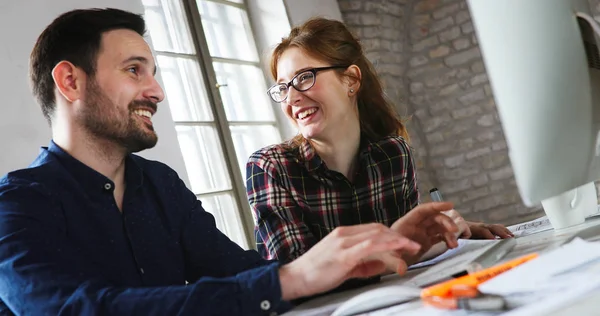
{"x":350,"y":164}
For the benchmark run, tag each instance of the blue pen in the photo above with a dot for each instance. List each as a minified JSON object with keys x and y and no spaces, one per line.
{"x":436,"y":195}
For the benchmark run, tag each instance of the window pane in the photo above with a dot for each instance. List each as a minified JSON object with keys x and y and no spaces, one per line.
{"x":245,"y":96}
{"x":249,"y":138}
{"x":168,"y":26}
{"x":203,"y":157}
{"x":227,"y":31}
{"x":185,"y":89}
{"x":225,"y":211}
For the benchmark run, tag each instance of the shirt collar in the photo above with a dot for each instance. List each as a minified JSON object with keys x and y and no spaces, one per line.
{"x":92,"y":180}
{"x":311,"y":158}
{"x":312,"y":161}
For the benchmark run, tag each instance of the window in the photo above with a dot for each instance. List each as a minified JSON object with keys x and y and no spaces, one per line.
{"x":216,"y":91}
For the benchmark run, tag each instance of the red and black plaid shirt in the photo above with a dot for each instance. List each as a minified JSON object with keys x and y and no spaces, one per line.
{"x":296,"y":200}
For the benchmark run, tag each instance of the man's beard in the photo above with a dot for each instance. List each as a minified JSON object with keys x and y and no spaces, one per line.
{"x":106,"y":120}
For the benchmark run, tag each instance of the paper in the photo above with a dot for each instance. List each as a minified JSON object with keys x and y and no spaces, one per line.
{"x":419,"y":309}
{"x":554,"y":280}
{"x":464,"y":246}
{"x":539,"y":225}
{"x":471,"y":250}
{"x":534,"y":226}
{"x":325,"y":310}
{"x":553,"y":294}
{"x":529,"y":276}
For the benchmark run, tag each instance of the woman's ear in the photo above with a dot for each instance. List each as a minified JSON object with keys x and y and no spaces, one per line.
{"x":353,"y":79}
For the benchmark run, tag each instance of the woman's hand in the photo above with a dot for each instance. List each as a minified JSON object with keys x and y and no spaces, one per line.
{"x":478,"y":230}
{"x":488,"y":231}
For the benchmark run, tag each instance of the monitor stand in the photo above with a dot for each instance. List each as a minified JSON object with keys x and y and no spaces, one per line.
{"x":572,"y":207}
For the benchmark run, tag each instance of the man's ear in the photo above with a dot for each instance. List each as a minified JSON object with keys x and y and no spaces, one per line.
{"x":69,"y":80}
{"x":353,"y":77}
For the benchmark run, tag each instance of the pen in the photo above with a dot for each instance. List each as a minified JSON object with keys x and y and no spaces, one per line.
{"x":444,"y":289}
{"x":436,"y":195}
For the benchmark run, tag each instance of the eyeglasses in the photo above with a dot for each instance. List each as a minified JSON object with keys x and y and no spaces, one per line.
{"x":301,"y":82}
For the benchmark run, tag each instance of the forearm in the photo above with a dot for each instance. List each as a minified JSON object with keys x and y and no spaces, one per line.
{"x":291,"y":281}
{"x":243,"y":294}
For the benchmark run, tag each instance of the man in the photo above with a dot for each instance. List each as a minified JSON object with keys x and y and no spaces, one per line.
{"x":91,"y":229}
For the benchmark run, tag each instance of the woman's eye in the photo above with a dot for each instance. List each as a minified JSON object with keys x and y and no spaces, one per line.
{"x":305,"y":77}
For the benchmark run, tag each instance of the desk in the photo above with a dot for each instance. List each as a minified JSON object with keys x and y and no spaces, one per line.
{"x":526,"y":244}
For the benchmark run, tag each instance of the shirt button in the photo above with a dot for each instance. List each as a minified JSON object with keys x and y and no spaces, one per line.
{"x":107,"y":186}
{"x":265,"y":305}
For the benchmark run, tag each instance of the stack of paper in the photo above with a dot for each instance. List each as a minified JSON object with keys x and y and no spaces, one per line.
{"x":553,"y":280}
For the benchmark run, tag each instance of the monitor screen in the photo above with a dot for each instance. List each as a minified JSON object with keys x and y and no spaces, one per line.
{"x":543,"y":64}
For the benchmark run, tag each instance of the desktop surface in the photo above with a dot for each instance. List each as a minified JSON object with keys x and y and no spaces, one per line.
{"x":538,"y":242}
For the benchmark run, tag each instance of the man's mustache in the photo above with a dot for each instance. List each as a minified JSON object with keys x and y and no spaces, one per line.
{"x":143,"y":103}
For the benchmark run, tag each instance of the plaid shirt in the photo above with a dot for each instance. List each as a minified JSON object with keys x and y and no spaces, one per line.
{"x":296,"y":200}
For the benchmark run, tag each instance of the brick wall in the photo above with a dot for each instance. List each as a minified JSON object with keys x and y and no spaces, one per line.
{"x":427,"y":54}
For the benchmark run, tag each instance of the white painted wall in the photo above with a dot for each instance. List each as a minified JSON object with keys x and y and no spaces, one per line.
{"x":300,"y":11}
{"x":272,"y":20}
{"x":23,"y":128}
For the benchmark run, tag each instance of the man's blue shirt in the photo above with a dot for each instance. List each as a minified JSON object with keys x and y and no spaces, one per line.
{"x":65,"y":248}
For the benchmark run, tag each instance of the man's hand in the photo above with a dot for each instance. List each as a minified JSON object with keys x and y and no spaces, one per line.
{"x":488,"y":231}
{"x":347,"y":252}
{"x":427,"y":225}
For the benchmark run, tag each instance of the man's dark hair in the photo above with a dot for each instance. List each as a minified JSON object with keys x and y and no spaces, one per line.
{"x":74,"y":36}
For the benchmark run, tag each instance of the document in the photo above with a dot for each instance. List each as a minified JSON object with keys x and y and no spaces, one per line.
{"x":469,"y":245}
{"x":475,"y":255}
{"x":528,"y":277}
{"x":553,"y":294}
{"x":464,"y":246}
{"x":531,"y":227}
{"x":554,"y":280}
{"x":539,"y":225}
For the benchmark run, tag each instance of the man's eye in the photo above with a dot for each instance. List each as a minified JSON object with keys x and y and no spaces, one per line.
{"x":133,"y":70}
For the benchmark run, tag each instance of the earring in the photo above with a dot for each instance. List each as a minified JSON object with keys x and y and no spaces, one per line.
{"x":351,"y":90}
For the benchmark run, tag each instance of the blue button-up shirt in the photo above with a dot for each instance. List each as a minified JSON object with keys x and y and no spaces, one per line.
{"x":66,"y":249}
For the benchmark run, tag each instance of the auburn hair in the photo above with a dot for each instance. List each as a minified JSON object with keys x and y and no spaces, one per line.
{"x":330,"y":41}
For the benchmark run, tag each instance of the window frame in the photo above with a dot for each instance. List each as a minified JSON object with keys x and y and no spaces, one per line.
{"x":222,"y":126}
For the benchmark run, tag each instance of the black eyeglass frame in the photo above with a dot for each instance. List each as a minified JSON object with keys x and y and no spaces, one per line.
{"x":291,"y":83}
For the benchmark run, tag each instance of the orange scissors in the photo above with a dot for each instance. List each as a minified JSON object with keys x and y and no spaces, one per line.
{"x":468,"y":298}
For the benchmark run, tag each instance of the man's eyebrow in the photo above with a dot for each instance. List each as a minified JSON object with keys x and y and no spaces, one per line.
{"x":141,"y":59}
{"x":297,"y":72}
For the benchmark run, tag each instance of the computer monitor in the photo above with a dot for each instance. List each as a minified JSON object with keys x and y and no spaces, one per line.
{"x":543,"y":65}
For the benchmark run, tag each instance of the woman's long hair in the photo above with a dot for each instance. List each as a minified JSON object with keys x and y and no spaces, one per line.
{"x":330,"y":41}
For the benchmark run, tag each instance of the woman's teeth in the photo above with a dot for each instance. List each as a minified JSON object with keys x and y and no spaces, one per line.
{"x":306,"y":113}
